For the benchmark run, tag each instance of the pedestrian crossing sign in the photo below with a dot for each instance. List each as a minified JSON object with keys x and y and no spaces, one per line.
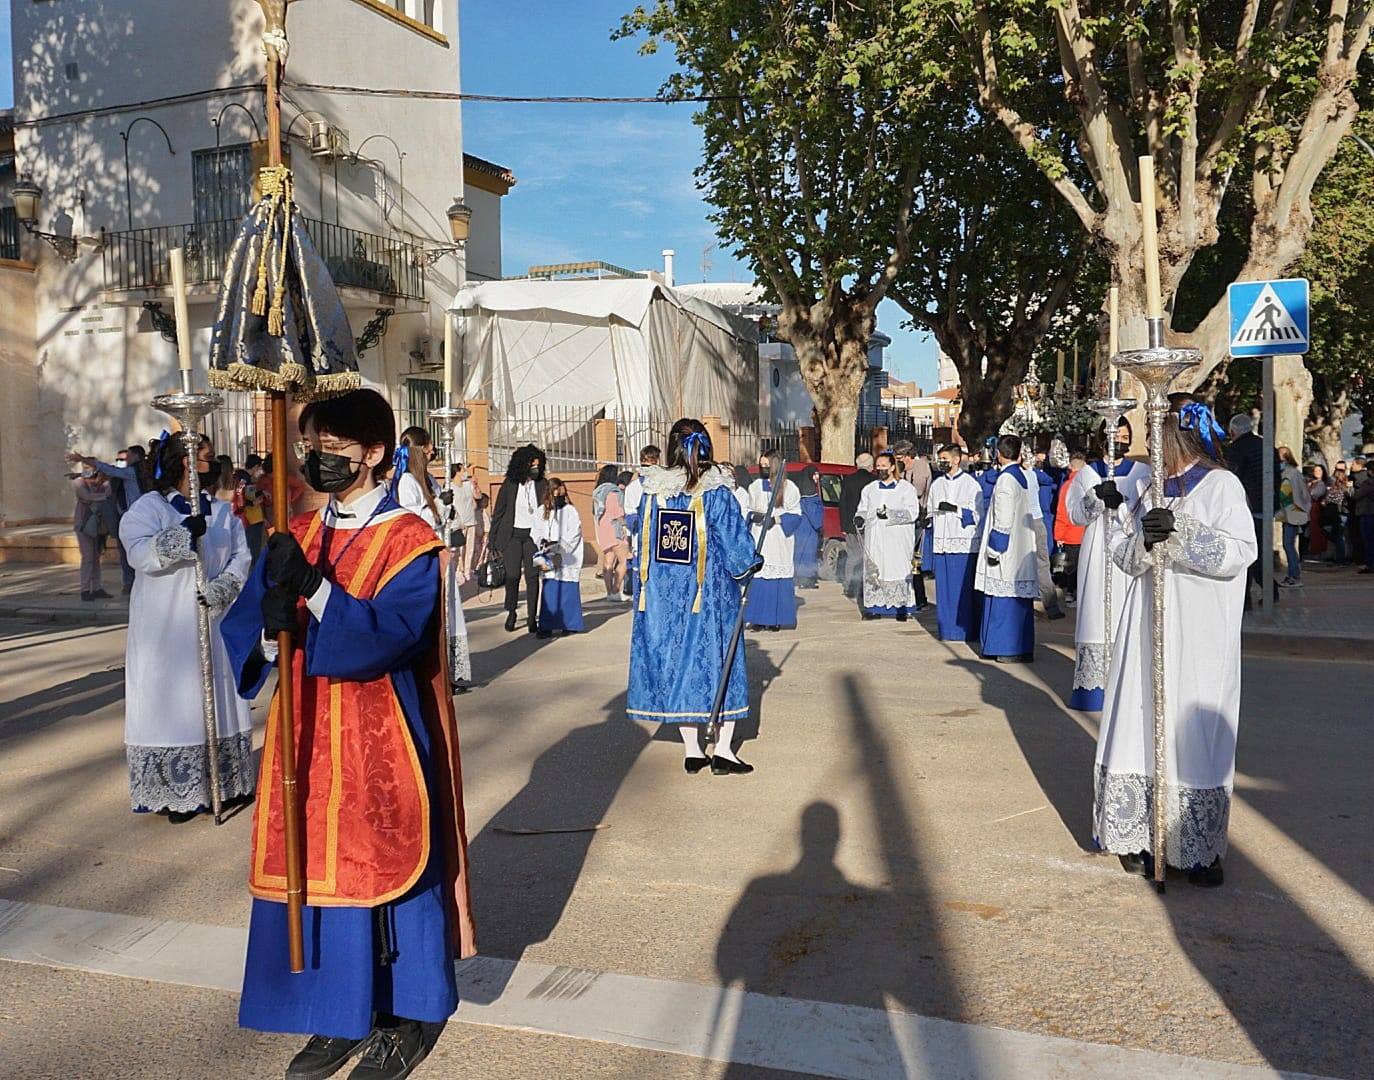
{"x":1268,"y":318}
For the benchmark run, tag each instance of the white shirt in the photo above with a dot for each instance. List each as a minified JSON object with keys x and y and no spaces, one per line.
{"x":526,"y":502}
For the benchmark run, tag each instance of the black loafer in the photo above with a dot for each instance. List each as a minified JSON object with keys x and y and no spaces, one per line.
{"x":1024,"y":659}
{"x":694,"y":765}
{"x":510,"y":622}
{"x":181,"y":817}
{"x":902,"y":615}
{"x":392,"y":1052}
{"x":723,"y":766}
{"x":1208,"y":877}
{"x":323,"y":1056}
{"x":1138,"y":862}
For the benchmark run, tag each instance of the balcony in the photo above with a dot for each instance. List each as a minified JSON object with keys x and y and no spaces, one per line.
{"x":137,"y":258}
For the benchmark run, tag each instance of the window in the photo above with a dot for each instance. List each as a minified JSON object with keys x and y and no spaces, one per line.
{"x":423,"y":395}
{"x":222,"y":183}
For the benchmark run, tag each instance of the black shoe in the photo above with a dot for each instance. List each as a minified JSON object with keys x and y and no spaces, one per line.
{"x":723,"y":766}
{"x":510,"y":622}
{"x":181,"y":817}
{"x":1138,"y":862}
{"x":902,"y":615}
{"x":919,"y":608}
{"x":245,"y":799}
{"x":1057,"y":613}
{"x":101,"y":594}
{"x":392,"y":1052}
{"x":694,"y":765}
{"x":323,"y":1056}
{"x":91,"y":596}
{"x":1025,"y":658}
{"x":543,"y":635}
{"x":868,"y":616}
{"x":1207,"y":877}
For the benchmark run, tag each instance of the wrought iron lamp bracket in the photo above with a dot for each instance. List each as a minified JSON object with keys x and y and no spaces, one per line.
{"x":373,"y":331}
{"x":164,"y":323}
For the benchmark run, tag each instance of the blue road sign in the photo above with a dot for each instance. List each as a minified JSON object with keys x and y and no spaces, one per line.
{"x":1268,"y":318}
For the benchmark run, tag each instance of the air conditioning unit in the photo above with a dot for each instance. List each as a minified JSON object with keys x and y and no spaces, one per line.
{"x":326,"y":140}
{"x":425,"y":355}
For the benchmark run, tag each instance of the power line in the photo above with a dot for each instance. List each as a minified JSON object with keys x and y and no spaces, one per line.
{"x":446,"y":95}
{"x":151,"y":103}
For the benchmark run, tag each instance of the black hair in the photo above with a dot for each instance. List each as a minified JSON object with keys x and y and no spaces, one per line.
{"x":522,"y":461}
{"x":1009,"y":447}
{"x":361,"y":415}
{"x":225,"y":476}
{"x":624,"y":478}
{"x":418,"y":465}
{"x":807,"y":479}
{"x":608,"y":474}
{"x":743,"y":478}
{"x":697,"y":458}
{"x":171,"y":462}
{"x":252,"y":461}
{"x":650,"y":455}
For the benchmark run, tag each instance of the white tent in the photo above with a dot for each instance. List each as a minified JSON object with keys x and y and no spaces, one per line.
{"x":624,"y":347}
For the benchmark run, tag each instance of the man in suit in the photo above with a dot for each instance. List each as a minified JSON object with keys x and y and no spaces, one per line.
{"x":851,"y":490}
{"x":1246,"y":459}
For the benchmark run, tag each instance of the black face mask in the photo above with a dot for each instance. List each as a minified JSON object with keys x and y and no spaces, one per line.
{"x":1122,"y":449}
{"x":537,"y":471}
{"x":330,"y":472}
{"x":560,"y":501}
{"x":208,"y":477}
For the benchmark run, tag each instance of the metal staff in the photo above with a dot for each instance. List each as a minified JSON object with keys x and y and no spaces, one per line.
{"x":448,"y":418}
{"x":1111,"y":408}
{"x":1155,"y":368}
{"x":776,"y":478}
{"x":188,"y":408}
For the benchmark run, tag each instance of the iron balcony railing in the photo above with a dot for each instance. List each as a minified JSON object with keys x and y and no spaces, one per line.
{"x":9,"y":233}
{"x":137,"y":258}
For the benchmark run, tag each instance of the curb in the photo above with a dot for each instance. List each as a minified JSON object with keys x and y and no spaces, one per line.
{"x":62,"y":617}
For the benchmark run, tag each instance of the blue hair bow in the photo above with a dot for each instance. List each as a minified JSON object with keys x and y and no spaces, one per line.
{"x":696,"y":443}
{"x":400,"y":465}
{"x":1195,"y":416}
{"x":157,"y":454}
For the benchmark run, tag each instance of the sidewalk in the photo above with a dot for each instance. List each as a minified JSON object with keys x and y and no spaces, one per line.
{"x":1335,"y":605}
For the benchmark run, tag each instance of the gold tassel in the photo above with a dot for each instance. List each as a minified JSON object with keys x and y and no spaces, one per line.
{"x":644,"y":553}
{"x":275,"y":184}
{"x":276,"y":318}
{"x":699,"y":515}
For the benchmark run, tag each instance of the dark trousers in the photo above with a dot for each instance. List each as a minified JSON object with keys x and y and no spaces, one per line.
{"x":519,"y":559}
{"x":124,"y":567}
{"x":1264,"y":546}
{"x":918,"y":585}
{"x":1367,"y":538}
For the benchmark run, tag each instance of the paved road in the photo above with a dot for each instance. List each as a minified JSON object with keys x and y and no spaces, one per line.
{"x":914,"y":841}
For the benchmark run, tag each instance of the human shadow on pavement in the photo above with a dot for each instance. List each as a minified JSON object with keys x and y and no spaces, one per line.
{"x":76,"y":697}
{"x":811,"y":933}
{"x":522,"y":883}
{"x":490,"y":664}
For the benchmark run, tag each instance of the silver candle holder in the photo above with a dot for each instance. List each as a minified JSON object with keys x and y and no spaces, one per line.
{"x":448,"y":417}
{"x":1111,"y":408}
{"x":189,"y":408}
{"x":1156,"y":368}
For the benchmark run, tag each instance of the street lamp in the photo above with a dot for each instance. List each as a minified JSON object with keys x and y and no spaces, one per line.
{"x":28,"y":201}
{"x":459,"y":226}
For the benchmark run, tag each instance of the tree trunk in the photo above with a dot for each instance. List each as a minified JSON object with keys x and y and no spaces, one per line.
{"x":831,"y":344}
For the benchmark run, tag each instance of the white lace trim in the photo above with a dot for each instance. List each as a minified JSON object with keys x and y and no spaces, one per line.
{"x":222,"y":592}
{"x":460,"y":659}
{"x":1090,"y":668}
{"x":178,"y":777}
{"x":173,"y":545}
{"x":1022,"y":590}
{"x":1196,"y":547}
{"x":889,"y":594}
{"x":955,"y":545}
{"x":657,"y":480}
{"x":1131,"y":557}
{"x":1195,"y":819}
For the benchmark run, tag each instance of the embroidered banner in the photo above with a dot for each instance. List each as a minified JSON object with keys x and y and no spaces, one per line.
{"x":676,"y":537}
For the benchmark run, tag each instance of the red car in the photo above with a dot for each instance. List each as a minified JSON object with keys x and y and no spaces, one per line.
{"x":832,"y":553}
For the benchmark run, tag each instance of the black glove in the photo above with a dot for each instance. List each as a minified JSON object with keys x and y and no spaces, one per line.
{"x":1108,"y":493}
{"x":994,"y":559}
{"x":1156,"y":526}
{"x":446,"y":496}
{"x":755,"y":518}
{"x":947,"y":508}
{"x":758,"y":565}
{"x":195,"y":525}
{"x":882,"y":513}
{"x":288,"y":567}
{"x":278,"y":608}
{"x":858,"y":523}
{"x":457,"y":539}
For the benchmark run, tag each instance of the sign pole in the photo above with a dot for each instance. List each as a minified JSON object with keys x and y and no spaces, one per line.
{"x":1266,"y":531}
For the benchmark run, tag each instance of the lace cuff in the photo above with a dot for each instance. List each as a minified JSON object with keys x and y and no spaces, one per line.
{"x":1093,"y":507}
{"x":1130,"y":555}
{"x":172,"y":546}
{"x":1196,"y":547}
{"x":900,"y":517}
{"x":222,"y":592}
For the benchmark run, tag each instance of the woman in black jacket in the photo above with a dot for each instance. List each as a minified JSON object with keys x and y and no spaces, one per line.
{"x":521,"y":495}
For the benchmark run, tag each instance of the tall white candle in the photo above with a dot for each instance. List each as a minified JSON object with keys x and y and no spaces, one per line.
{"x":450,"y":354}
{"x":183,"y":315}
{"x":1154,"y":305}
{"x":1113,"y":299}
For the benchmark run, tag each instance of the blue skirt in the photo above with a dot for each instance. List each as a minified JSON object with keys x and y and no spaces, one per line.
{"x":772,"y":602}
{"x":344,"y":983}
{"x":1008,"y":627}
{"x":1087,"y":700}
{"x":956,"y":600}
{"x":560,"y":607}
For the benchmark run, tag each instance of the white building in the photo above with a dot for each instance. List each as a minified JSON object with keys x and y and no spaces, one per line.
{"x":143,"y":124}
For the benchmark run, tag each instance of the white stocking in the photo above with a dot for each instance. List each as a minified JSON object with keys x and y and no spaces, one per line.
{"x":724,"y":740}
{"x":691,"y":740}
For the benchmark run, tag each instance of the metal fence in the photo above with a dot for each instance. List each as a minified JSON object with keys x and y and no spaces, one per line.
{"x":9,"y":233}
{"x":899,"y":428}
{"x":566,"y":434}
{"x":137,"y":258}
{"x":235,"y":427}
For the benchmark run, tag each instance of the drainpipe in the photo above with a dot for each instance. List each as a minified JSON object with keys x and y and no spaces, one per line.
{"x":668,"y":266}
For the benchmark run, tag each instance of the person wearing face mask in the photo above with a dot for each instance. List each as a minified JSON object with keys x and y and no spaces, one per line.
{"x":94,"y":520}
{"x":1097,"y":502}
{"x":512,"y":521}
{"x":357,"y":583}
{"x":1007,"y":573}
{"x":808,"y":539}
{"x":132,"y":477}
{"x":557,"y":536}
{"x":886,"y":519}
{"x":164,"y":725}
{"x":772,"y":603}
{"x":956,"y":511}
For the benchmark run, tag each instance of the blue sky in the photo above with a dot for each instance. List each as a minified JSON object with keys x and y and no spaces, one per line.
{"x":610,"y":182}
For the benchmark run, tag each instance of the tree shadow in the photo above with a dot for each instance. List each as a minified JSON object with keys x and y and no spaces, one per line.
{"x":522,"y":883}
{"x":812,"y":933}
{"x":490,"y":664}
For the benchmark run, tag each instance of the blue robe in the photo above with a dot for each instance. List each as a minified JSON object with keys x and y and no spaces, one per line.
{"x":1049,"y":503}
{"x":676,"y":654}
{"x":773,"y":600}
{"x":344,"y":982}
{"x":1008,"y":626}
{"x":560,"y":606}
{"x":806,"y":545}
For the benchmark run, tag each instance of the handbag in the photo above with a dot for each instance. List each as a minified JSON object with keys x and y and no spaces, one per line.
{"x":492,"y":573}
{"x":92,"y":526}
